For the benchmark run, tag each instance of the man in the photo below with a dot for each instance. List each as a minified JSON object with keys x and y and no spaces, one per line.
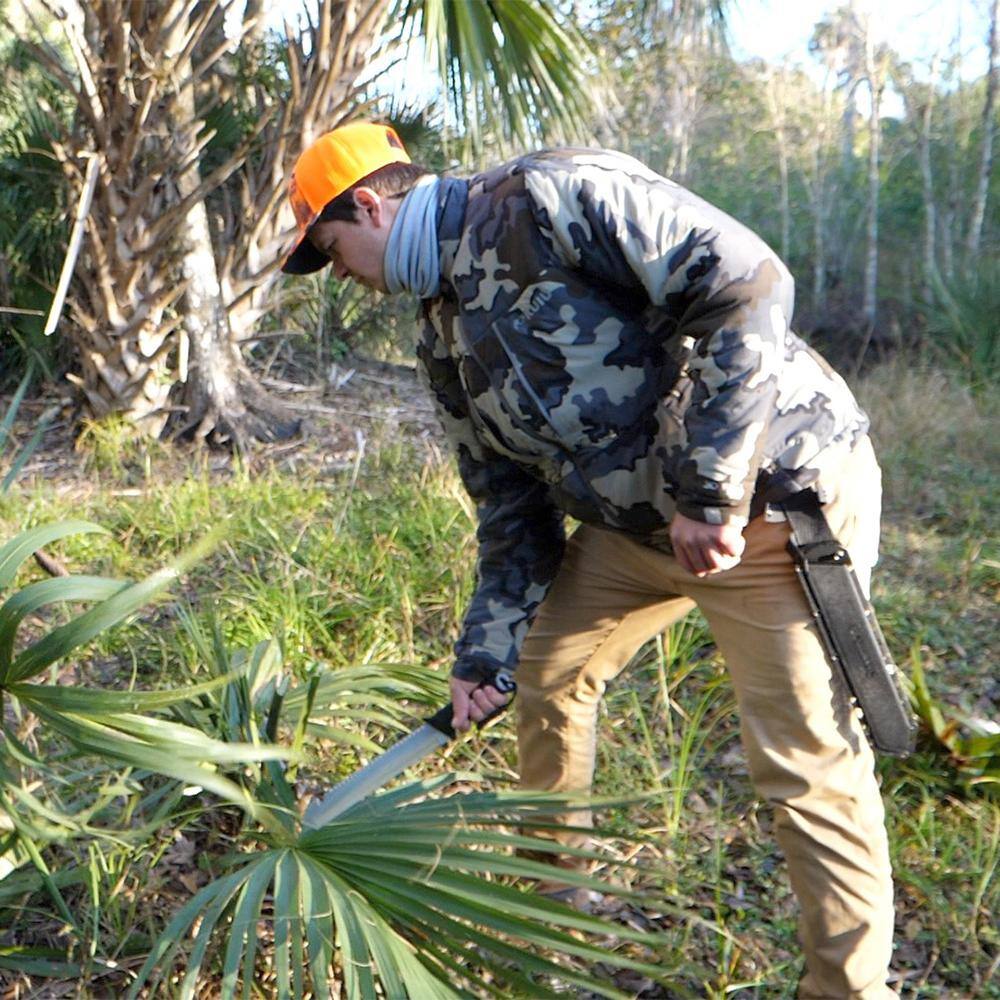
{"x":602,"y":343}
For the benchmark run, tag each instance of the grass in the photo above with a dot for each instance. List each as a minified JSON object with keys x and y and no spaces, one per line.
{"x":940,"y":569}
{"x":374,"y":565}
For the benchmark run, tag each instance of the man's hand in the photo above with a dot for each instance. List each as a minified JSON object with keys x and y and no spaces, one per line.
{"x":703,"y":549}
{"x":473,"y":701}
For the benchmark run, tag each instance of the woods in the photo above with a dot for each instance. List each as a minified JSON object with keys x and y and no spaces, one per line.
{"x":195,"y":130}
{"x":182,"y":240}
{"x":235,"y":553}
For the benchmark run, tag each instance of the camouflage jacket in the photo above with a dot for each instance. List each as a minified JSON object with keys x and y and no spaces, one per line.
{"x":607,"y":345}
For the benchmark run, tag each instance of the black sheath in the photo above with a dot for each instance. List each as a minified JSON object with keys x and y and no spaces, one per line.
{"x":847,"y":624}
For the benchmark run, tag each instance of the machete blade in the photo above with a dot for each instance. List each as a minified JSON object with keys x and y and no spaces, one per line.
{"x":434,"y":733}
{"x":373,"y":776}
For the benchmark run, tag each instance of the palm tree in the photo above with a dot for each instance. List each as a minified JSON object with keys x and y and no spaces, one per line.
{"x":33,"y":111}
{"x":180,"y":263}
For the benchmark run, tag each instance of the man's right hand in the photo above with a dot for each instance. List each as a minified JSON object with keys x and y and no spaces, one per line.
{"x":704,"y":549}
{"x":473,"y":701}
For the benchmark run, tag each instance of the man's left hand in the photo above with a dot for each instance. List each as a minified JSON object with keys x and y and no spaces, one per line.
{"x":703,"y":549}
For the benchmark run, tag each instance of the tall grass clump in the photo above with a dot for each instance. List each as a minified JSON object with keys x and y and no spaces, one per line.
{"x":14,"y":457}
{"x":936,"y":442}
{"x":940,"y":457}
{"x":963,"y":325}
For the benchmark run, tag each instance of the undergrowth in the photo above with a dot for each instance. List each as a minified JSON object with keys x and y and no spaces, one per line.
{"x":373,"y":565}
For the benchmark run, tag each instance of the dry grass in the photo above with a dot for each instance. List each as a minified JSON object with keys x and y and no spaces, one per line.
{"x":937,"y":441}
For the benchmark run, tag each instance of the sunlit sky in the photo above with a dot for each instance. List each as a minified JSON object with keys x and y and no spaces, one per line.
{"x":917,"y":29}
{"x":779,"y":30}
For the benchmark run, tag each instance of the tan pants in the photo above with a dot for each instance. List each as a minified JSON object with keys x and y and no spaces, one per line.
{"x":807,"y":754}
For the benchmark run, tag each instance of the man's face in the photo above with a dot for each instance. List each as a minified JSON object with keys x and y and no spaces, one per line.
{"x":357,"y":249}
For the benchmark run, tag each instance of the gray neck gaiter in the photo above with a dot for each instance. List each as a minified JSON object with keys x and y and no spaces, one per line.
{"x":412,"y":256}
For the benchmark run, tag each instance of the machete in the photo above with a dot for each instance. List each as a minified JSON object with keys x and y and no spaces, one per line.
{"x":435,"y":732}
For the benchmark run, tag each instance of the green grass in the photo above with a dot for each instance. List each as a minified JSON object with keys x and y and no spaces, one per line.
{"x":374,"y":565}
{"x":377,"y":572}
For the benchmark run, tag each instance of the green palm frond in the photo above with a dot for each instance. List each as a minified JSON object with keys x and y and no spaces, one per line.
{"x":63,"y":639}
{"x":25,"y":452}
{"x":35,"y":109}
{"x":964,"y":322}
{"x":60,"y":798}
{"x":407,"y":894}
{"x":15,"y":404}
{"x":22,"y":545}
{"x":518,"y":69}
{"x":115,"y":726}
{"x":971,"y":745}
{"x":39,"y":962}
{"x":376,"y":694}
{"x":403,"y":899}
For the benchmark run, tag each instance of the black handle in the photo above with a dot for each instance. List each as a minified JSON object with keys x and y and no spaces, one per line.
{"x":441,"y":719}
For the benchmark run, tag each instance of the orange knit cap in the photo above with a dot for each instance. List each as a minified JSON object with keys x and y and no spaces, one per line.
{"x":333,"y":163}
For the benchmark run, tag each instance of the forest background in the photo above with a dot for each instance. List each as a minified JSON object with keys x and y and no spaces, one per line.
{"x":174,"y":381}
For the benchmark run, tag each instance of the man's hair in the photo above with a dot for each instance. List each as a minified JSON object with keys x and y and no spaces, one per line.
{"x":394,"y":180}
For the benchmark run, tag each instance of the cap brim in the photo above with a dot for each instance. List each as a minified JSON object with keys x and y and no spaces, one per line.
{"x":304,"y":259}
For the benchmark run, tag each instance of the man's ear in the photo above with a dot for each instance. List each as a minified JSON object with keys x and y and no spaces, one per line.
{"x":370,"y":203}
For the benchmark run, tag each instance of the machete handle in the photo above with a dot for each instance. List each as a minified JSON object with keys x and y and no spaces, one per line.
{"x":441,"y":719}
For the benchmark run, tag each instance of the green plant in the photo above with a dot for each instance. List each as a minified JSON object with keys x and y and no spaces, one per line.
{"x":113,"y":445}
{"x":7,"y":424}
{"x":972,"y":746}
{"x":76,"y":763}
{"x":964,"y":323}
{"x":33,"y":219}
{"x":119,"y":727}
{"x":399,"y":896}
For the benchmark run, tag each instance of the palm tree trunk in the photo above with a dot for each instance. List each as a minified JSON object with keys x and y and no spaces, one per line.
{"x":164,"y":302}
{"x":221,"y":398}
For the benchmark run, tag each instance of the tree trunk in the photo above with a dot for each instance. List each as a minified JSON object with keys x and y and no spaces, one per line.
{"x":682,"y":101}
{"x":157,"y":327}
{"x":150,"y":241}
{"x":974,"y":235}
{"x":121,"y":317}
{"x":874,"y":71}
{"x":930,"y":202}
{"x":690,"y":35}
{"x":957,"y":155}
{"x":869,"y":297}
{"x":777,"y":101}
{"x":222,"y":401}
{"x":819,"y":248}
{"x":818,"y":185}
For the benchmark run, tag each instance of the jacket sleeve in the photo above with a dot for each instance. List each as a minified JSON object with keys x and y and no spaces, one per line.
{"x":520,"y":531}
{"x":717,"y":283}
